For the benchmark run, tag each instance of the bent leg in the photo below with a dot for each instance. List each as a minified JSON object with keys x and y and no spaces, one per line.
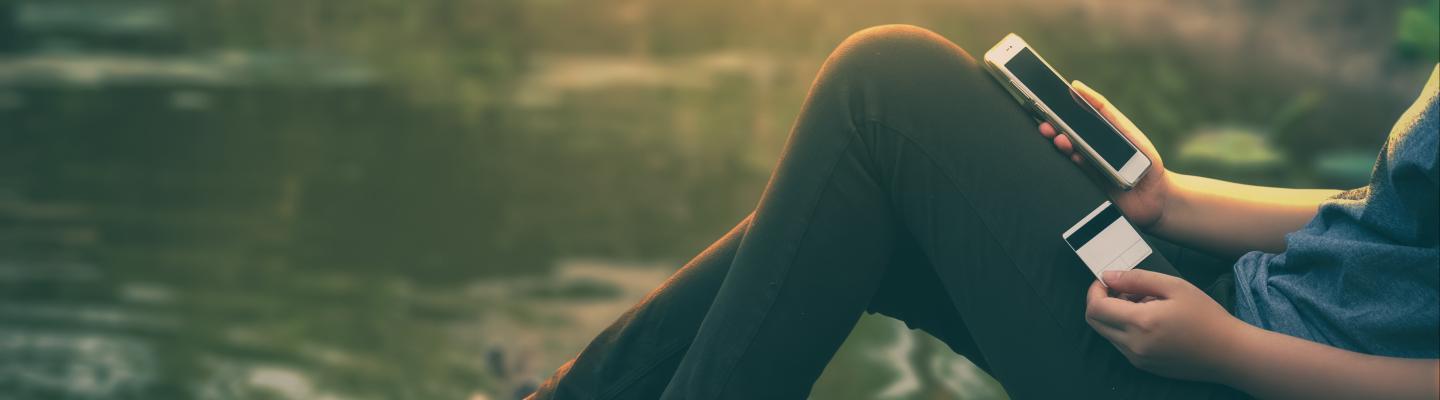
{"x":904,"y":136}
{"x":635,"y":357}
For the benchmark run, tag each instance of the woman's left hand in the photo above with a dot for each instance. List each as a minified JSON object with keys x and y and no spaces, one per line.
{"x":1174,"y":329}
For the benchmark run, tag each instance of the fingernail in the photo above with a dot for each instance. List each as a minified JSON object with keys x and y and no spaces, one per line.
{"x":1109,"y":276}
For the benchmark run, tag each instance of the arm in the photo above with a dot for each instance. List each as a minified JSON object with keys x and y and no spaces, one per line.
{"x":1181,"y":333}
{"x":1222,"y":217}
{"x":1231,"y":218}
{"x":1273,"y":365}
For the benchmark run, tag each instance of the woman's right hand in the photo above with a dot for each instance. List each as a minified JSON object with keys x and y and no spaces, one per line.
{"x":1144,"y":204}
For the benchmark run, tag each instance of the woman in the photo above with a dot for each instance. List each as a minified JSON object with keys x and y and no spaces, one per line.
{"x":907,"y":188}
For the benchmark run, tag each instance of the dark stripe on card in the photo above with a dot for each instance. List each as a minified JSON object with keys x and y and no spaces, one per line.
{"x":1092,"y":228}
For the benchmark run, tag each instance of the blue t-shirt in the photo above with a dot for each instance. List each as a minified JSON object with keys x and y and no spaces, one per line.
{"x":1364,"y":275}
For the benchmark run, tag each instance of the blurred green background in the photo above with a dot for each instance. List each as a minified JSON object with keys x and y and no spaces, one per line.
{"x":444,"y":199}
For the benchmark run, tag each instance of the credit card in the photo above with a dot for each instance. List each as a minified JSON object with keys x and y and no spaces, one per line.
{"x":1106,"y":241}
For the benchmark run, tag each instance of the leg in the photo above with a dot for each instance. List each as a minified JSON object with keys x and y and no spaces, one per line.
{"x":636,"y":356}
{"x":904,"y":136}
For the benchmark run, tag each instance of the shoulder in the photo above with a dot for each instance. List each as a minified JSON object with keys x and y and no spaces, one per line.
{"x":1414,"y":138}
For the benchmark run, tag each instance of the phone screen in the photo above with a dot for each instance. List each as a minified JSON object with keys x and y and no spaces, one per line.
{"x":1055,"y":93}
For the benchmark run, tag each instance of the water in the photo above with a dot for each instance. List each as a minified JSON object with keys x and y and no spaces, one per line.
{"x":486,"y":338}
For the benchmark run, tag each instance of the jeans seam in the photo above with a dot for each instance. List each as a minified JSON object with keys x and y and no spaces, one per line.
{"x":629,"y":380}
{"x":968,"y":203}
{"x":784,"y":275}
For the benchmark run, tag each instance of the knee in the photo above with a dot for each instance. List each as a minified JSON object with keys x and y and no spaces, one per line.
{"x":895,"y":59}
{"x":894,"y":37}
{"x":897,"y":46}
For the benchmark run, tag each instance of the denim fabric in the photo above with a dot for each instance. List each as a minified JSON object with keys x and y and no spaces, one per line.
{"x":1364,"y":275}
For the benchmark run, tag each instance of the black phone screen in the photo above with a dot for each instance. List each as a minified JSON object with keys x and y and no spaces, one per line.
{"x":1055,"y":93}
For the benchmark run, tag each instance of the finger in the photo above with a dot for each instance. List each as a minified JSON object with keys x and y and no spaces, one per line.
{"x":1112,"y":333}
{"x":1100,"y":308}
{"x":1047,"y":130}
{"x":1133,"y":298}
{"x":1076,"y":158}
{"x":1096,"y":292}
{"x":1091,"y":96}
{"x":1063,"y":144}
{"x":1143,"y":282}
{"x":1102,"y":105}
{"x":1113,"y":312}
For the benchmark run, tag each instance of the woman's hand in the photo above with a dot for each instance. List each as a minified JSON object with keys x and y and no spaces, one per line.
{"x":1145,"y":203}
{"x":1177,"y":331}
{"x":1173,"y":330}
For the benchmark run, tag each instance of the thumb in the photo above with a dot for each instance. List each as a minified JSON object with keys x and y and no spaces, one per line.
{"x":1110,"y":113}
{"x":1101,"y":105}
{"x":1142,"y":282}
{"x":1091,"y":96}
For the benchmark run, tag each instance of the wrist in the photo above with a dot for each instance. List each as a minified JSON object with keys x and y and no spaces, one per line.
{"x":1237,"y":351}
{"x":1170,"y":200}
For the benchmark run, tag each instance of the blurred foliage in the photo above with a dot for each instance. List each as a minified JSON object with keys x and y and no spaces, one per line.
{"x":1234,"y":151}
{"x":629,"y":164}
{"x":1419,"y":31}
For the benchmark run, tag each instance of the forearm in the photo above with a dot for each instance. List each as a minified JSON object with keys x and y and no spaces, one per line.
{"x":1231,"y":218}
{"x":1270,"y":365}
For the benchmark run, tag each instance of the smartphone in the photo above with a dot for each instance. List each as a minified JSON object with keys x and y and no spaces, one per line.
{"x":1035,"y":84}
{"x":1106,"y":241}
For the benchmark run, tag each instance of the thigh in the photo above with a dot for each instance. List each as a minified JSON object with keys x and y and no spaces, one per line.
{"x":911,"y":292}
{"x":636,"y":356}
{"x":986,"y":199}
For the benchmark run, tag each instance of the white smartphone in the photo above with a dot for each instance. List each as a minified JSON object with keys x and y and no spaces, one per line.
{"x":1106,"y":241}
{"x":1034,"y":83}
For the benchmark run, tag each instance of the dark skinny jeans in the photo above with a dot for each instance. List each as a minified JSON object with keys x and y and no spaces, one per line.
{"x":913,"y":186}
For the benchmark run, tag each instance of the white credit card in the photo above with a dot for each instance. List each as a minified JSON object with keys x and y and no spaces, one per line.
{"x":1106,"y":241}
